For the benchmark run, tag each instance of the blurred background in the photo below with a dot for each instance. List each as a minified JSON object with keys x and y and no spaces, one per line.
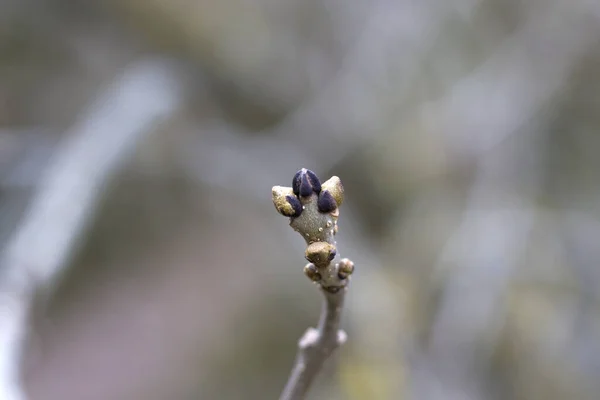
{"x":465,"y":133}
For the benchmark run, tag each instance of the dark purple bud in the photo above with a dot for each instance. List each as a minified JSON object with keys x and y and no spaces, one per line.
{"x":314,"y":181}
{"x":296,"y":183}
{"x":305,"y":182}
{"x":326,"y":203}
{"x":296,"y":205}
{"x":305,"y":187}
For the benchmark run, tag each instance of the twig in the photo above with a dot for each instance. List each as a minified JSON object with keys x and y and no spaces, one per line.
{"x":314,"y":210}
{"x":68,"y":196}
{"x":316,"y":346}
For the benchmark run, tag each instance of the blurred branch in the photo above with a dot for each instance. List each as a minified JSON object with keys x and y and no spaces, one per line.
{"x":360,"y":98}
{"x":95,"y":149}
{"x":23,"y":154}
{"x":517,"y":81}
{"x":522,"y":80}
{"x":313,"y":209}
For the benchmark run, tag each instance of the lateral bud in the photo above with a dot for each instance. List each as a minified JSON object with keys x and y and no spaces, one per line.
{"x":320,"y":253}
{"x":311,"y":271}
{"x":334,"y":186}
{"x":326,"y":203}
{"x":345,"y":268}
{"x":285,"y":202}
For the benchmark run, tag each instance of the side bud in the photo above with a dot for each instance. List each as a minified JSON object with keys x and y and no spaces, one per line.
{"x":334,"y":186}
{"x":311,"y":271}
{"x":285,"y":202}
{"x":326,"y":203}
{"x":320,"y":253}
{"x":345,"y":268}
